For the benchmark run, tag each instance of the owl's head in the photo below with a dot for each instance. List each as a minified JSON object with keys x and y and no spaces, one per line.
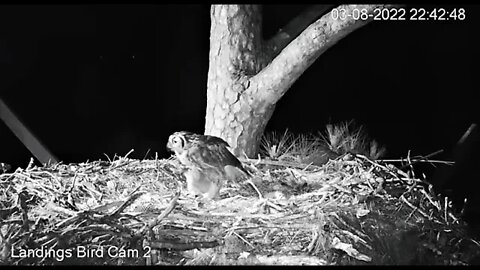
{"x":179,"y":141}
{"x":183,"y":140}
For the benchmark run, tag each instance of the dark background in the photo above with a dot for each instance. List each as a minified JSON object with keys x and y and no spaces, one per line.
{"x":95,"y":79}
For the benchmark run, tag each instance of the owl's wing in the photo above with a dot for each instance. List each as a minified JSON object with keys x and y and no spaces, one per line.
{"x":225,"y":156}
{"x":201,"y":157}
{"x":231,"y":159}
{"x":213,"y":140}
{"x":214,"y":155}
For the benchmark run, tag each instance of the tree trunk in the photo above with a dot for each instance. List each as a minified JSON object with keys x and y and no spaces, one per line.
{"x":235,"y":55}
{"x":247,"y":75}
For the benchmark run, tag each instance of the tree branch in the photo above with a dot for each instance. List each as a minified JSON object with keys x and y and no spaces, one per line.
{"x":274,"y":80}
{"x":294,"y":28}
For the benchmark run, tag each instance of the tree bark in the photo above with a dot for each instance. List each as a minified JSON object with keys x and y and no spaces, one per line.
{"x":247,"y":75}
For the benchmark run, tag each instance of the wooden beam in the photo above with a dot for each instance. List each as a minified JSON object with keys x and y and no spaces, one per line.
{"x":28,"y":139}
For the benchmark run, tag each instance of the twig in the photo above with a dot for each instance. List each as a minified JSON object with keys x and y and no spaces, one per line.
{"x":368,"y":180}
{"x":410,"y":164}
{"x":244,"y":240}
{"x":67,"y":221}
{"x":357,"y":238}
{"x":144,"y":157}
{"x":272,"y":205}
{"x":467,"y":133}
{"x":128,"y":202}
{"x":22,"y":201}
{"x":30,"y":165}
{"x":129,"y":152}
{"x":476,"y":243}
{"x":182,"y":245}
{"x":430,"y":199}
{"x":121,"y":165}
{"x":411,"y":214}
{"x":315,"y":237}
{"x":255,"y":187}
{"x":418,"y":159}
{"x":164,"y":214}
{"x":414,"y":207}
{"x":380,"y":166}
{"x":414,"y":160}
{"x":445,"y":210}
{"x":348,"y":225}
{"x":73,"y":183}
{"x":279,"y":163}
{"x":109,"y":160}
{"x":64,"y":211}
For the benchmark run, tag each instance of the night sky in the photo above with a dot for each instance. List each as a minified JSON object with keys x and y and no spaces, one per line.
{"x":95,"y":79}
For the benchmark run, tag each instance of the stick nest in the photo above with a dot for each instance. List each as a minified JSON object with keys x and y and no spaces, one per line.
{"x":351,"y":210}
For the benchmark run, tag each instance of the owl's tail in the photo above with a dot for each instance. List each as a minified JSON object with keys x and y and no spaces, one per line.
{"x":236,"y":173}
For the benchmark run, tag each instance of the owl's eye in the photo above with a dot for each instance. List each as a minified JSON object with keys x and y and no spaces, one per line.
{"x":177,"y":141}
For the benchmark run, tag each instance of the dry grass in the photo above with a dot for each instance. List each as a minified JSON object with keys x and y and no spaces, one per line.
{"x":289,"y":147}
{"x":275,"y":145}
{"x":347,"y":137}
{"x":336,"y":140}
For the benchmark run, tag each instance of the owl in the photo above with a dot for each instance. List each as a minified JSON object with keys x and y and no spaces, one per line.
{"x":207,"y":160}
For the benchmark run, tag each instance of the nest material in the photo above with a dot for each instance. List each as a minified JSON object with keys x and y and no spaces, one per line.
{"x":349,"y":211}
